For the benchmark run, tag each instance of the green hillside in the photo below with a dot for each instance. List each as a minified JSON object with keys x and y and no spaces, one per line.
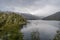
{"x":10,"y":25}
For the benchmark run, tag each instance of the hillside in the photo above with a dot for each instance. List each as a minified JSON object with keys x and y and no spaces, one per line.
{"x":55,"y":16}
{"x":11,"y":24}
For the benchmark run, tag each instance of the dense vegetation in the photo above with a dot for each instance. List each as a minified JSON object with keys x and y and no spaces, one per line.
{"x":35,"y":35}
{"x":10,"y":25}
{"x":57,"y":36}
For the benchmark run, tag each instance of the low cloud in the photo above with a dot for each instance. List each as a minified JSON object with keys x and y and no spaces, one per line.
{"x":35,"y":7}
{"x":45,"y":11}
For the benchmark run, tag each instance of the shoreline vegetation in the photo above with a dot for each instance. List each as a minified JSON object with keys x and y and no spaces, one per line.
{"x":10,"y":25}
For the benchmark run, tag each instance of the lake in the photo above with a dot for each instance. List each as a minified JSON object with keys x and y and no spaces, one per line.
{"x":47,"y":29}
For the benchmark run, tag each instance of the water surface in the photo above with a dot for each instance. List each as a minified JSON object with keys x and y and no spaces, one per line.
{"x":47,"y":29}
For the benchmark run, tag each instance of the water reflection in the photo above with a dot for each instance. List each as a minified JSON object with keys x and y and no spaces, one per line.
{"x":47,"y":29}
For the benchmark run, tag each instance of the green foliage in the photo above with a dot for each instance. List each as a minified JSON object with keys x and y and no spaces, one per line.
{"x":35,"y":35}
{"x":10,"y":25}
{"x":57,"y":36}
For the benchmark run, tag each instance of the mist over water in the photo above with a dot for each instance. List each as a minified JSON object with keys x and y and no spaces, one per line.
{"x":47,"y":29}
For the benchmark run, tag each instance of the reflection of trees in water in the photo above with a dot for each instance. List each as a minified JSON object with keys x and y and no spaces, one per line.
{"x":57,"y":36}
{"x":35,"y":35}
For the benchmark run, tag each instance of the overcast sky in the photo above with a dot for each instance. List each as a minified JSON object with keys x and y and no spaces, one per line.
{"x":35,"y":7}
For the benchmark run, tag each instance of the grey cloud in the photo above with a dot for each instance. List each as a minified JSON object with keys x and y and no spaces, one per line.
{"x":24,"y":3}
{"x":30,"y":5}
{"x":17,"y":2}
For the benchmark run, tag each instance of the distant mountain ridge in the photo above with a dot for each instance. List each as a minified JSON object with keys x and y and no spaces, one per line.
{"x":55,"y":16}
{"x":27,"y":16}
{"x":30,"y":16}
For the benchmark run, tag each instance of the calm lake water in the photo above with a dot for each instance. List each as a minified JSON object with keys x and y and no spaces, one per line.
{"x":47,"y":29}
